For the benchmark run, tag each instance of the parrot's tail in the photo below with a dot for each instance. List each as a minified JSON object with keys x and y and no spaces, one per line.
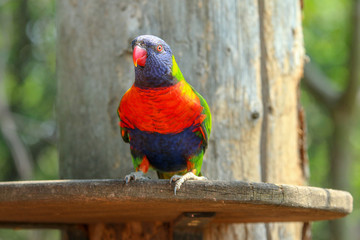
{"x":168,"y":175}
{"x":164,"y":175}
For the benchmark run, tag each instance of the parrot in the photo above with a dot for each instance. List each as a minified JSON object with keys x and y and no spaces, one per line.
{"x":164,"y":119}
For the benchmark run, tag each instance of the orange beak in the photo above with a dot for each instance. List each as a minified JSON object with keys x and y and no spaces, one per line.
{"x":139,"y":56}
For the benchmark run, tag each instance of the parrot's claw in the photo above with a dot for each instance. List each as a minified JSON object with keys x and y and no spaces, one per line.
{"x":179,"y":180}
{"x":135,"y":176}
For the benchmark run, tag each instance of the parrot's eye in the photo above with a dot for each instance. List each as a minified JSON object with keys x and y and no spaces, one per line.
{"x":159,"y":48}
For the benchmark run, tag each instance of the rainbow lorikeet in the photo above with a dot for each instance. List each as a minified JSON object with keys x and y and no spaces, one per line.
{"x":166,"y":122}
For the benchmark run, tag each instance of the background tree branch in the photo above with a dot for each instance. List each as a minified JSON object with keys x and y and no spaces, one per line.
{"x":19,"y":152}
{"x":343,"y":107}
{"x":319,"y":86}
{"x":348,"y":98}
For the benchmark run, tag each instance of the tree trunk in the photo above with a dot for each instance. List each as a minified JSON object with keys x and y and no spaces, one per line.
{"x":245,"y":58}
{"x":282,"y":69}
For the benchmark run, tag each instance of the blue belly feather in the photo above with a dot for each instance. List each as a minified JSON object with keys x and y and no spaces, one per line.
{"x":166,"y":152}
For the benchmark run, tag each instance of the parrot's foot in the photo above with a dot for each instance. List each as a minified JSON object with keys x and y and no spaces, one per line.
{"x":181,"y":179}
{"x":135,"y":176}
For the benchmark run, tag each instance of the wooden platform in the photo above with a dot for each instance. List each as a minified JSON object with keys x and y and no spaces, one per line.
{"x":113,"y":201}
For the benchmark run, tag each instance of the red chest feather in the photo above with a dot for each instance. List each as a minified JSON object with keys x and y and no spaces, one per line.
{"x":161,"y":110}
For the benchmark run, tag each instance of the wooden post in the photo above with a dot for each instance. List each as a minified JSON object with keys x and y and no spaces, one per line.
{"x":282,"y":68}
{"x":244,"y":57}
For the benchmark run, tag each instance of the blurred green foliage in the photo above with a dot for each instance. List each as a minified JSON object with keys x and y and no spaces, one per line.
{"x":327,"y":33}
{"x":327,"y":36}
{"x":27,"y":48}
{"x":27,"y":56}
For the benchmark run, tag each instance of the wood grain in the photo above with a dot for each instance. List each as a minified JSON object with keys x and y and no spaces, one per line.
{"x":282,"y":66}
{"x":217,"y":47}
{"x":113,"y":201}
{"x":244,"y":57}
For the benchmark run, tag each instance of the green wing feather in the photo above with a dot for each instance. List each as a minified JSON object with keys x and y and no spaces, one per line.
{"x":124,"y":134}
{"x":206,"y":124}
{"x":204,"y":134}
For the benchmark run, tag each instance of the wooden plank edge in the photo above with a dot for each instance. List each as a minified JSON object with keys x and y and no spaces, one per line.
{"x":234,"y":191}
{"x":338,"y":203}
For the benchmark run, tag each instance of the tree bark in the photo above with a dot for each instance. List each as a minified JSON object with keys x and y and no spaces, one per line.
{"x":240,"y":56}
{"x":282,"y":69}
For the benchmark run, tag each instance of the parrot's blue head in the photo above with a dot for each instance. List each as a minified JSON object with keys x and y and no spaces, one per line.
{"x":153,"y":62}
